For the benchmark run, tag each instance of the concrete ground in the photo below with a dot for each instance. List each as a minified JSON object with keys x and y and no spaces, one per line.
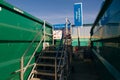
{"x":83,"y":69}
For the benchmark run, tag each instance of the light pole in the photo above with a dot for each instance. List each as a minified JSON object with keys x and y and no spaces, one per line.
{"x":78,"y":33}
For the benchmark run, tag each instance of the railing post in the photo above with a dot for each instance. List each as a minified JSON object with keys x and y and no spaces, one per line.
{"x":66,"y":26}
{"x":44,"y":35}
{"x":55,"y":68}
{"x":22,"y":69}
{"x":53,"y":35}
{"x":78,"y":33}
{"x":44,"y":31}
{"x":70,"y":29}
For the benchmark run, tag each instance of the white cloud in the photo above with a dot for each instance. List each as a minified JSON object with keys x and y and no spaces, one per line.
{"x":56,"y":18}
{"x":60,"y":18}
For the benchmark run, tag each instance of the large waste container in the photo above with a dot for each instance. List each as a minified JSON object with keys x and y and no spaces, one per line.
{"x":17,"y":30}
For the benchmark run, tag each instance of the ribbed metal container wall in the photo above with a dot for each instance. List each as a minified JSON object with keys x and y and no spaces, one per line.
{"x":17,"y":30}
{"x":84,"y":35}
{"x":105,"y":41}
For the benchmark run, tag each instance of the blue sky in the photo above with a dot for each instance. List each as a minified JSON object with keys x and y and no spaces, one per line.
{"x":55,"y":11}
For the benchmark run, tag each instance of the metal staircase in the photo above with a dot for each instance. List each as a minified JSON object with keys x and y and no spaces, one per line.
{"x":53,"y":62}
{"x":48,"y":66}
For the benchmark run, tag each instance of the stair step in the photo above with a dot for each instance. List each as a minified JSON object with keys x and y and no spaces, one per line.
{"x":48,"y":57}
{"x":38,"y":79}
{"x":52,"y":51}
{"x":44,"y":73}
{"x":35,"y":79}
{"x":47,"y":65}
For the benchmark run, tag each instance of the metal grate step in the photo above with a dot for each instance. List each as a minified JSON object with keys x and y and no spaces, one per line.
{"x":49,"y":57}
{"x":52,"y":51}
{"x":47,"y":65}
{"x":38,"y":79}
{"x":35,"y":79}
{"x":45,"y":73}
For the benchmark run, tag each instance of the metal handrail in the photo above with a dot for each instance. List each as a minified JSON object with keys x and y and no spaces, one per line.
{"x":43,"y":38}
{"x":34,"y":53}
{"x":37,"y":49}
{"x":63,"y":52}
{"x":63,"y":56}
{"x":57,"y":57}
{"x":29,"y":47}
{"x":23,"y":69}
{"x":48,"y":34}
{"x":31,"y":74}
